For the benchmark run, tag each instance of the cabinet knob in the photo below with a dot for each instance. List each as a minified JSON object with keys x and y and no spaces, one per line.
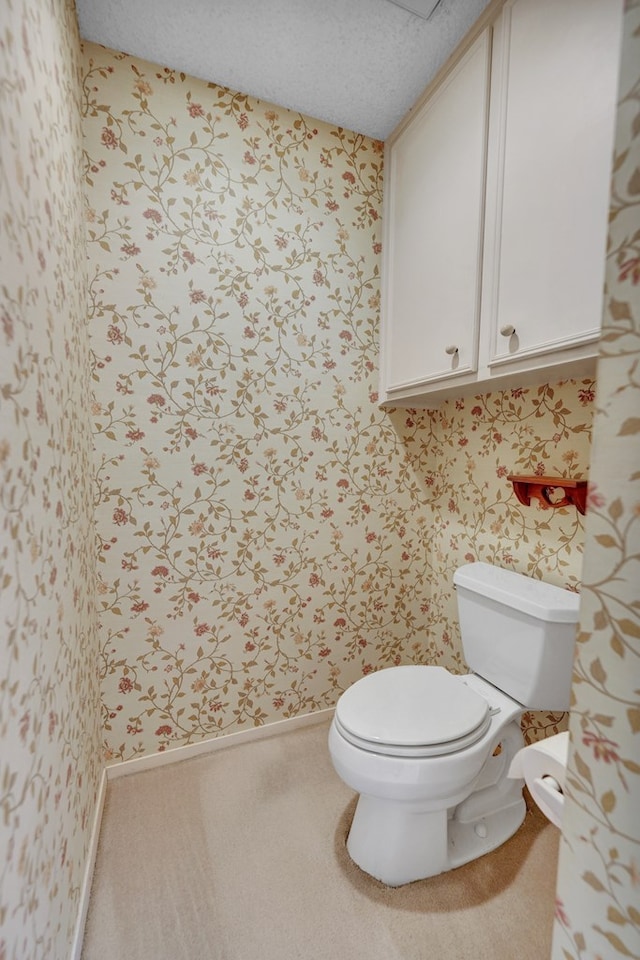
{"x":451,"y":349}
{"x":508,"y":330}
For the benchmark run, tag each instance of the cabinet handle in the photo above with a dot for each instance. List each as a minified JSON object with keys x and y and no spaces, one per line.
{"x":451,"y":349}
{"x":508,"y":330}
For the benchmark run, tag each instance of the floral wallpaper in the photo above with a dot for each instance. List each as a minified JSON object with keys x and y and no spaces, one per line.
{"x":598,"y":901}
{"x":266,"y":534}
{"x":474,"y":444}
{"x":49,"y":720}
{"x":248,"y":490}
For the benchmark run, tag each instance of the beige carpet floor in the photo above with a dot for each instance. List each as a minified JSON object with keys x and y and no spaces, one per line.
{"x":240,"y":855}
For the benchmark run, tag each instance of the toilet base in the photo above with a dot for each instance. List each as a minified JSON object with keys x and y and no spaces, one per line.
{"x":399,"y":843}
{"x":416,"y":819}
{"x":472,"y":839}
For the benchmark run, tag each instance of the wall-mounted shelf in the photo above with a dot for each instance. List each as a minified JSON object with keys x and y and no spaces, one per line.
{"x":550,"y":491}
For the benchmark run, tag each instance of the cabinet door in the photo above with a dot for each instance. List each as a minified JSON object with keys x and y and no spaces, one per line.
{"x":434,"y":202}
{"x":551,"y":140}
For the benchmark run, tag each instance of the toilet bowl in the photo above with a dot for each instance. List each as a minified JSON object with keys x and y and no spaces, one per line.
{"x":429,"y":751}
{"x":414,"y":817}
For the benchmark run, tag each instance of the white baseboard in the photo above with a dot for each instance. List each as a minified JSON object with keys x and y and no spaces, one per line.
{"x":158,"y":760}
{"x":177,"y":754}
{"x":85,"y":892}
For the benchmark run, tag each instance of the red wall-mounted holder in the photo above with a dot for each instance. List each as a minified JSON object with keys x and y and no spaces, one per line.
{"x":550,"y":491}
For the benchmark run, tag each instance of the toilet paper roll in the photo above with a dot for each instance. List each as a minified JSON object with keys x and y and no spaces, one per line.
{"x":543,"y":767}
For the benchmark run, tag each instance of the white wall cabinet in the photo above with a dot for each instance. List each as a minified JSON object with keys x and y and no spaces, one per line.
{"x":435,"y":185}
{"x":496,"y":202}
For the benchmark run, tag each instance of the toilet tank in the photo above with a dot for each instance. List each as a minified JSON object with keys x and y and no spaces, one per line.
{"x":518,"y":633}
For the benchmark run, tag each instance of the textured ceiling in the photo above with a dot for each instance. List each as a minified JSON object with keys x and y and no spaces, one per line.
{"x":359,"y":64}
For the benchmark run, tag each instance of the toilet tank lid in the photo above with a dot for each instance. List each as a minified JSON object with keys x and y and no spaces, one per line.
{"x":535,"y":597}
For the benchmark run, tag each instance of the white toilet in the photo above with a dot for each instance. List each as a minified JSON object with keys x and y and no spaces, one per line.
{"x":429,"y":751}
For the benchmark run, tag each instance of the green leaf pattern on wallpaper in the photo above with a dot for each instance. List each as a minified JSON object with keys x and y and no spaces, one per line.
{"x":266,"y":534}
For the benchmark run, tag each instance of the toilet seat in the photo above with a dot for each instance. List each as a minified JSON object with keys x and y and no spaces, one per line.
{"x":412,"y":711}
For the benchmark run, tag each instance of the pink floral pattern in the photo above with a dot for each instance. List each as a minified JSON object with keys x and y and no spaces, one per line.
{"x":266,"y":534}
{"x":50,"y":765}
{"x":599,"y":875}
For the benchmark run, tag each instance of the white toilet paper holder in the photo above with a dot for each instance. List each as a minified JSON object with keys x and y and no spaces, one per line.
{"x":549,"y":797}
{"x":542,"y":766}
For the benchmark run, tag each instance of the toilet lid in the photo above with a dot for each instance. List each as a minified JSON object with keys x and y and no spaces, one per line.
{"x":412,"y":711}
